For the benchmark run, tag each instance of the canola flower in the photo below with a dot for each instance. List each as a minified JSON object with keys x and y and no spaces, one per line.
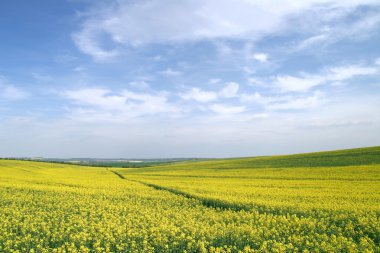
{"x":65,"y":208}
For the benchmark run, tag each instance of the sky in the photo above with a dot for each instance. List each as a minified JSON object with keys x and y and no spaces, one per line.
{"x":188,"y":78}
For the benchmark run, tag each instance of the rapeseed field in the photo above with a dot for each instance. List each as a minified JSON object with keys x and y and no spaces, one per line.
{"x":318,"y":202}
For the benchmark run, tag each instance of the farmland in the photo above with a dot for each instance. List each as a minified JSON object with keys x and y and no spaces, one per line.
{"x":317,"y":202}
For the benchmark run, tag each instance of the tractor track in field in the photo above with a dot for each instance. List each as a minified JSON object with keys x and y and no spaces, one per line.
{"x":117,"y":174}
{"x":217,"y":204}
{"x":220,"y":205}
{"x":207,"y":202}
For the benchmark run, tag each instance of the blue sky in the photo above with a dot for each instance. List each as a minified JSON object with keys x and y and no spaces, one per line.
{"x":189,"y":78}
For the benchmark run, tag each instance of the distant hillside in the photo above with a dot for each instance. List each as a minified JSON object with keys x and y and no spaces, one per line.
{"x":347,"y":157}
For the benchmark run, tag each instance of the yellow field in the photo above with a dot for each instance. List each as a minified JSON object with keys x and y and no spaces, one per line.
{"x":237,"y":205}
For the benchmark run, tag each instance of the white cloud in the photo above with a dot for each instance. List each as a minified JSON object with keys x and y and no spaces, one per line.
{"x":200,"y":95}
{"x":257,"y":98}
{"x":333,"y":75}
{"x":254,"y":82}
{"x":158,"y":58}
{"x":43,"y":78}
{"x":217,"y":80}
{"x":286,"y":102}
{"x":347,"y":72}
{"x":87,"y":42}
{"x":65,"y":58}
{"x":298,"y":84}
{"x":332,"y":123}
{"x":299,"y":103}
{"x":260,"y":116}
{"x":333,"y":26}
{"x":98,"y":103}
{"x":230,"y":90}
{"x":11,"y":92}
{"x":223,"y":49}
{"x":377,"y":61}
{"x":261,"y":57}
{"x":170,"y":72}
{"x":139,"y":84}
{"x":131,"y":23}
{"x":315,"y":39}
{"x":79,"y":69}
{"x":97,"y":97}
{"x":227,"y":109}
{"x":249,"y":70}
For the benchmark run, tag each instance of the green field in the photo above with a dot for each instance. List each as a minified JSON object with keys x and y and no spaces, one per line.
{"x":317,"y":202}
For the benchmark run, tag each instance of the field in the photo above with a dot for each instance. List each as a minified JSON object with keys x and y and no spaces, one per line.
{"x":317,"y":202}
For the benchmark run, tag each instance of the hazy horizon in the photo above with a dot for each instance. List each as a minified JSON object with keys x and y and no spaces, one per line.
{"x":173,"y":79}
{"x":179,"y":158}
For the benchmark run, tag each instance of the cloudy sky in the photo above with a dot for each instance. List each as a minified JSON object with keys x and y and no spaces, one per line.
{"x":188,"y":78}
